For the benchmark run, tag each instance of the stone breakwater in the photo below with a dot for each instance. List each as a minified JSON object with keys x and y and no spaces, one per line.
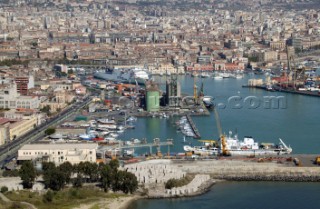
{"x":190,"y":189}
{"x":154,"y":173}
{"x":236,"y":169}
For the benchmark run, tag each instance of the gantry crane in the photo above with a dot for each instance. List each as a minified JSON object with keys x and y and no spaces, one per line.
{"x":222,"y":137}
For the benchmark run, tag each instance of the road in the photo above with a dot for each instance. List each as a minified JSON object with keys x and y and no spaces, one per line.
{"x":8,"y":151}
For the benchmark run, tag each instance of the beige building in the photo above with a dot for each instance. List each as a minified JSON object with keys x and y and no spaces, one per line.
{"x":25,"y":114}
{"x":163,"y":69}
{"x":60,"y":100}
{"x":18,"y":128}
{"x":278,"y":45}
{"x":4,"y":130}
{"x":59,"y":152}
{"x":266,"y":56}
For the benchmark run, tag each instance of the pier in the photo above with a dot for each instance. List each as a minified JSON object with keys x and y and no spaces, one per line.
{"x":194,"y":128}
{"x":279,"y":89}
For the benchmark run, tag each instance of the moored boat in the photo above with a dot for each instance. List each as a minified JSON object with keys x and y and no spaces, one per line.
{"x":246,"y":147}
{"x":249,"y":147}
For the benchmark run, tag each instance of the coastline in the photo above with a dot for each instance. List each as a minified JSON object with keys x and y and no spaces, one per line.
{"x":202,"y":189}
{"x":116,"y":203}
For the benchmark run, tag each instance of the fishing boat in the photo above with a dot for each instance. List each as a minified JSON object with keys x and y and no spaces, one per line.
{"x":204,"y":75}
{"x":86,"y":136}
{"x":129,"y":152}
{"x":217,"y":77}
{"x":106,"y":121}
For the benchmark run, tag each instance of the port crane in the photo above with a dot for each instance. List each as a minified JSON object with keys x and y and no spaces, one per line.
{"x":222,"y":137}
{"x":294,"y":73}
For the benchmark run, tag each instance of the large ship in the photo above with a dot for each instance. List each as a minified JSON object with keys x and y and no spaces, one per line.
{"x":231,"y":145}
{"x":248,"y":147}
{"x":133,"y":76}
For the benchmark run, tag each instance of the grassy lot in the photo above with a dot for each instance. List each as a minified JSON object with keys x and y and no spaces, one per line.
{"x":6,"y":205}
{"x":65,"y":199}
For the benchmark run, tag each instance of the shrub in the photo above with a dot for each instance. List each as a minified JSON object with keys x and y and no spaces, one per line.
{"x":48,"y":197}
{"x":4,"y":189}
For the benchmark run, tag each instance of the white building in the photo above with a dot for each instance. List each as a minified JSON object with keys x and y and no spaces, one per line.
{"x":59,"y":152}
{"x":9,"y":98}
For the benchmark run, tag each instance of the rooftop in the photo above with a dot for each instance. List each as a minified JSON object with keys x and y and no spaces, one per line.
{"x":62,"y":146}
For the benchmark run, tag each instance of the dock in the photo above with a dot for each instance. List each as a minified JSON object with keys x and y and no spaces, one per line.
{"x":194,"y":128}
{"x":279,"y":89}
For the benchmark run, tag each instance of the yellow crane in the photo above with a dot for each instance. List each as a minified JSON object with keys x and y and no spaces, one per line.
{"x":222,"y":137}
{"x":195,"y":95}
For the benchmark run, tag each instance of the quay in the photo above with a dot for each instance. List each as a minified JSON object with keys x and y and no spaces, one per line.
{"x":194,"y":128}
{"x":156,"y":143}
{"x":279,"y":89}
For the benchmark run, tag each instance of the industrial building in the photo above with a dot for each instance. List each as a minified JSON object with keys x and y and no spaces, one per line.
{"x":152,"y":97}
{"x":173,"y":92}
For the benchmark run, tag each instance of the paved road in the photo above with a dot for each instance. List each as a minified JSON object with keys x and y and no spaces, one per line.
{"x":9,"y":150}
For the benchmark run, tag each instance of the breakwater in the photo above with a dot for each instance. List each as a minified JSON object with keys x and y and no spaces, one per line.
{"x":154,"y":173}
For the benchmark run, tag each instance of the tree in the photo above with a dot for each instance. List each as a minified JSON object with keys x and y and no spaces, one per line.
{"x":130,"y":183}
{"x":114,"y":164}
{"x":4,"y":189}
{"x":105,"y":173}
{"x":48,"y":166}
{"x":116,"y":185}
{"x":78,"y":181}
{"x":46,"y":109}
{"x":67,"y":169}
{"x":48,"y":197}
{"x":50,"y":131}
{"x":27,"y":174}
{"x":125,"y":181}
{"x":54,"y":179}
{"x":89,"y":170}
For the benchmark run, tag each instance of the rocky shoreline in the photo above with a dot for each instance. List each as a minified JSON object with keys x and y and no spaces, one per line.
{"x":202,"y":189}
